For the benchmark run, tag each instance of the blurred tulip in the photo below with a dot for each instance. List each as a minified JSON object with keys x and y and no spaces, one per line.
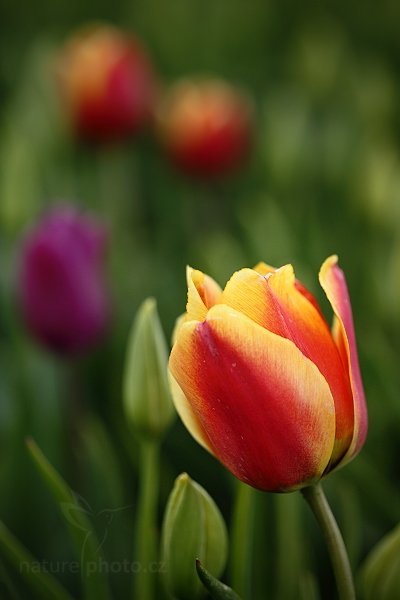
{"x":193,"y":528}
{"x":107,"y":83}
{"x":61,"y":285}
{"x":206,"y":126}
{"x":260,"y":381}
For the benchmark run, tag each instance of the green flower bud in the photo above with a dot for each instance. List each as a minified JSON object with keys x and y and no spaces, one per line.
{"x":193,"y":529}
{"x":147,"y":399}
{"x":380,"y":575}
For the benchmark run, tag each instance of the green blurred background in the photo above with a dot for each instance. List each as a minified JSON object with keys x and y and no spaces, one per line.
{"x":323,"y":178}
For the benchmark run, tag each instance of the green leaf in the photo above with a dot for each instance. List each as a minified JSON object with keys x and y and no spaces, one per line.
{"x":30,"y":569}
{"x":7,"y":583}
{"x":380,"y":574}
{"x":80,"y":528}
{"x":218,"y":590}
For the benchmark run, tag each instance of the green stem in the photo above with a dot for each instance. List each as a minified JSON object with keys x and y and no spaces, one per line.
{"x":334,"y":541}
{"x":290,"y":550}
{"x":242,"y":534}
{"x":146,"y":536}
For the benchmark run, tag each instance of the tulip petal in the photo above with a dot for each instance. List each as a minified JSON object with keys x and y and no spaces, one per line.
{"x":276,"y":303}
{"x":263,"y":269}
{"x":267,"y":411}
{"x":307,"y":294}
{"x":178,"y":324}
{"x":248,"y":292}
{"x":203,"y":293}
{"x":187,"y":415}
{"x":334,"y":284}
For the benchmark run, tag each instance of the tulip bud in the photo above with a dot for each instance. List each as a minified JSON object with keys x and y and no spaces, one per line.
{"x":147,"y":398}
{"x":106,"y":82}
{"x":61,"y":285}
{"x":380,"y":576}
{"x":206,"y":127}
{"x":193,"y":529}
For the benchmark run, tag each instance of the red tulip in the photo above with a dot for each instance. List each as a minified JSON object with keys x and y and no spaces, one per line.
{"x":107,"y":83}
{"x":206,"y":127}
{"x":61,"y":286}
{"x":261,"y":381}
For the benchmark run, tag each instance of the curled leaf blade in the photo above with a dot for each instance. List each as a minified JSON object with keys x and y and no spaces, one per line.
{"x":217,"y":589}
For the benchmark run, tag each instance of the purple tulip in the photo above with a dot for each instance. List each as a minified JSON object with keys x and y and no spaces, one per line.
{"x":62,"y":289}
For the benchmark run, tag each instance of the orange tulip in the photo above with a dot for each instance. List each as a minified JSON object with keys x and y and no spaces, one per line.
{"x":206,"y":126}
{"x":107,"y":83}
{"x":261,"y":381}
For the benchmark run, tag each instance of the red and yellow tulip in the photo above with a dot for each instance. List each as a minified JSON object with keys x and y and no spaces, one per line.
{"x":106,"y":82}
{"x":206,"y":126}
{"x":261,"y":381}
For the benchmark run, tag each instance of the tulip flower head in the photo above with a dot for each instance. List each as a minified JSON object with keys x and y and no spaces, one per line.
{"x":61,"y":286}
{"x":206,"y":127}
{"x":261,"y":381}
{"x":107,"y":83}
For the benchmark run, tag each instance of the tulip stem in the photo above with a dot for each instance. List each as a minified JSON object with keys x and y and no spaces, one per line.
{"x":146,"y":538}
{"x":242,"y":539}
{"x":318,"y":503}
